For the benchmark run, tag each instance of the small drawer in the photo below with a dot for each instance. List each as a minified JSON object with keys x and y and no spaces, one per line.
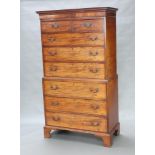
{"x":74,"y":39}
{"x":76,"y":89}
{"x":77,"y":70}
{"x":90,"y":123}
{"x":90,"y":14}
{"x":88,"y":26}
{"x":94,"y":54}
{"x":80,"y":106}
{"x":56,"y":26}
{"x":50,"y":17}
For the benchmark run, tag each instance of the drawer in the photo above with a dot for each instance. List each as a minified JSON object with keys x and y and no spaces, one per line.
{"x":75,"y":105}
{"x":78,"y":70}
{"x":76,"y":121}
{"x":74,"y":54}
{"x":76,"y":89}
{"x":88,"y":25}
{"x":76,"y":39}
{"x":72,"y":26}
{"x":57,"y":26}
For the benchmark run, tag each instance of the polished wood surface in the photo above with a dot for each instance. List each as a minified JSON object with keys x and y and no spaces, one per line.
{"x":74,"y":54}
{"x":110,"y":54}
{"x":80,"y":106}
{"x":112,"y":106}
{"x":47,"y":132}
{"x":90,"y":123}
{"x":77,"y":70}
{"x":80,"y":83}
{"x":72,"y":26}
{"x":60,"y":26}
{"x":77,"y":13}
{"x":75,"y":89}
{"x":73,"y":39}
{"x":88,"y":26}
{"x":106,"y":136}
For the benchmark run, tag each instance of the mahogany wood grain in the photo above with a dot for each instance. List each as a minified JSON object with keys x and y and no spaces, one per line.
{"x":74,"y":54}
{"x":76,"y":13}
{"x":89,"y":14}
{"x":112,"y":99}
{"x":80,"y":106}
{"x":79,"y":70}
{"x":75,"y":89}
{"x":107,"y":140}
{"x":47,"y":132}
{"x":106,"y":137}
{"x":86,"y":80}
{"x":88,"y":25}
{"x":110,"y":53}
{"x":72,"y":26}
{"x":73,"y":39}
{"x":60,"y":26}
{"x":77,"y":121}
{"x":80,"y":84}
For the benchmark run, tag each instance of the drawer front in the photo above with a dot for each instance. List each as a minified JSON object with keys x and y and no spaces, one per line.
{"x":77,"y":70}
{"x":86,"y":39}
{"x":88,"y":26}
{"x":76,"y":121}
{"x":75,"y":105}
{"x":61,"y":16}
{"x":91,"y":90}
{"x":74,"y":54}
{"x":72,"y":26}
{"x":57,"y":26}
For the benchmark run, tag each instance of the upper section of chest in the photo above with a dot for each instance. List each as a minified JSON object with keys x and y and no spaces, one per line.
{"x":76,"y":20}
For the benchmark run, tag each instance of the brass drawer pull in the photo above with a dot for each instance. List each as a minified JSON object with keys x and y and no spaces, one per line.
{"x":95,"y":107}
{"x":55,"y":25}
{"x":54,"y":103}
{"x":91,"y":123}
{"x":93,"y":70}
{"x":56,"y":118}
{"x":52,"y":53}
{"x":53,"y":68}
{"x":51,"y":39}
{"x":54,"y":87}
{"x":95,"y":123}
{"x":87,"y":24}
{"x":93,"y":38}
{"x":93,"y":53}
{"x":94,"y":90}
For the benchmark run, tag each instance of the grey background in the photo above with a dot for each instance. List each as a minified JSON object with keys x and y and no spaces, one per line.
{"x":32,"y":117}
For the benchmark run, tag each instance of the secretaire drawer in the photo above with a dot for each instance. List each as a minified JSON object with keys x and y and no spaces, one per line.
{"x":74,"y":54}
{"x":81,"y":106}
{"x":76,"y":121}
{"x":78,"y":70}
{"x":92,"y":90}
{"x":68,"y":39}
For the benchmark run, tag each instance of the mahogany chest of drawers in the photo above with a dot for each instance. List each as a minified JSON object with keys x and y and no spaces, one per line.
{"x":80,"y":83}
